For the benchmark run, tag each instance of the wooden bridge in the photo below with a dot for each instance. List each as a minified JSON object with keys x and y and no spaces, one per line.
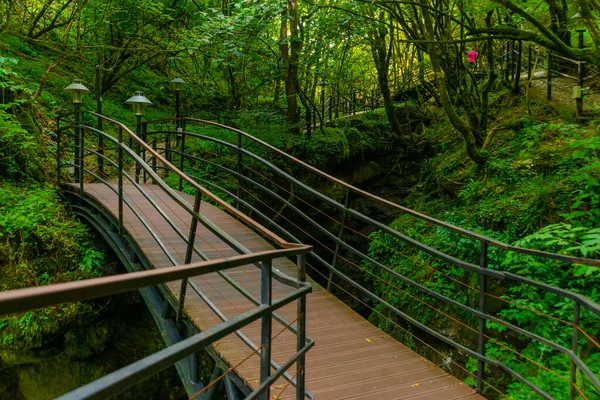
{"x":216,"y":279}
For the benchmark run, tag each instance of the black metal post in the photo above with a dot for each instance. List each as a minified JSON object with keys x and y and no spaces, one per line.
{"x":76,"y":153}
{"x":266,"y":326}
{"x":301,"y":327}
{"x":239,"y":169}
{"x":168,"y":148}
{"x":177,"y":109}
{"x":138,"y":132}
{"x":145,"y":140}
{"x":153,"y":157}
{"x":189,"y":252}
{"x":575,"y":350}
{"x":99,"y":123}
{"x":120,"y":179}
{"x":81,"y":161}
{"x":340,"y":235}
{"x":483,"y":263}
{"x":549,"y":77}
{"x":181,"y":155}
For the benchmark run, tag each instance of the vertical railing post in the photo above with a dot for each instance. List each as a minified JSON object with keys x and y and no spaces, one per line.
{"x":266,"y":325}
{"x":340,"y":234}
{"x":189,"y":251}
{"x":181,"y":157}
{"x":99,"y":122}
{"x":58,"y":149}
{"x":574,"y":349}
{"x":145,"y":140}
{"x":168,"y":147}
{"x":549,"y":76}
{"x":315,"y":118}
{"x":154,"y":158}
{"x":81,"y":160}
{"x":120,"y":179}
{"x":138,"y":133}
{"x":240,"y":161}
{"x":483,"y":263}
{"x":301,"y":327}
{"x":76,"y":142}
{"x":529,"y":62}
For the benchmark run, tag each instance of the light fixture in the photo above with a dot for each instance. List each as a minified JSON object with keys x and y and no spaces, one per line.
{"x":77,"y":90}
{"x":323,"y":83}
{"x":139,"y":103}
{"x":177,"y":84}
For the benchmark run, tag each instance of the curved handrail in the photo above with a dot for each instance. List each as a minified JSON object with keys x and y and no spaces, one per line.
{"x":425,"y":217}
{"x":482,"y":271}
{"x":142,"y":147}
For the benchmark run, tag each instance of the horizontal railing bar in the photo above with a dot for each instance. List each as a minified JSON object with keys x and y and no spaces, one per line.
{"x":588,"y":303}
{"x":436,"y":334}
{"x":416,"y":214}
{"x":44,"y":296}
{"x":119,"y":380}
{"x":227,"y":207}
{"x":124,"y":378}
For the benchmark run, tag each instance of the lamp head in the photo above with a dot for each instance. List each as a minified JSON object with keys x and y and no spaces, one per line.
{"x":177,"y":84}
{"x":77,"y":90}
{"x":323,"y":83}
{"x":139,"y":103}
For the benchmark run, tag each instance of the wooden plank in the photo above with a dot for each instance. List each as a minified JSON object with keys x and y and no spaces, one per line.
{"x":342,"y":365}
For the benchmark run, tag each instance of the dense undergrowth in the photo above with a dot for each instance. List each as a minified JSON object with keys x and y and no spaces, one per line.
{"x":540,"y":188}
{"x":47,"y":352}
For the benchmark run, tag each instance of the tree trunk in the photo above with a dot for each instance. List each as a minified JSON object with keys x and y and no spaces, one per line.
{"x":381,"y":56}
{"x":290,"y":53}
{"x":457,"y":122}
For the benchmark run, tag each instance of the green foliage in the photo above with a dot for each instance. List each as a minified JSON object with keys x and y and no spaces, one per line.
{"x":41,"y":244}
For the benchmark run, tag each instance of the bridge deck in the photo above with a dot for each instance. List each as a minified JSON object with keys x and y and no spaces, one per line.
{"x":342,"y":365}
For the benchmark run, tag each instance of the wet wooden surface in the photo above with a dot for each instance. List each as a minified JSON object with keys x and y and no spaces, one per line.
{"x":351,"y":358}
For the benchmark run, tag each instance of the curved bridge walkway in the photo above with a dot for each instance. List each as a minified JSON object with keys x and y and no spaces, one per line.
{"x":351,"y":358}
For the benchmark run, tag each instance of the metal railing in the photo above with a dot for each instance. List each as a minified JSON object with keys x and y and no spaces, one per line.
{"x":128,"y":160}
{"x":271,"y":185}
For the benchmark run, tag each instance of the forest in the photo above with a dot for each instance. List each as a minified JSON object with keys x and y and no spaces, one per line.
{"x":484,"y":115}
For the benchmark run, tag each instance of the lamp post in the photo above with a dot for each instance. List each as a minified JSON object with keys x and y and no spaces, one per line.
{"x":77,"y":90}
{"x":323,"y":83}
{"x":139,"y":103}
{"x":177,"y":85}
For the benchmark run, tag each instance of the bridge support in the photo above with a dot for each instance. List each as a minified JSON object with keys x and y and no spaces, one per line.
{"x":266,"y":326}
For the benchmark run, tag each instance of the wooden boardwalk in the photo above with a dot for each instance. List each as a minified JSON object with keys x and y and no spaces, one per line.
{"x":351,"y":358}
